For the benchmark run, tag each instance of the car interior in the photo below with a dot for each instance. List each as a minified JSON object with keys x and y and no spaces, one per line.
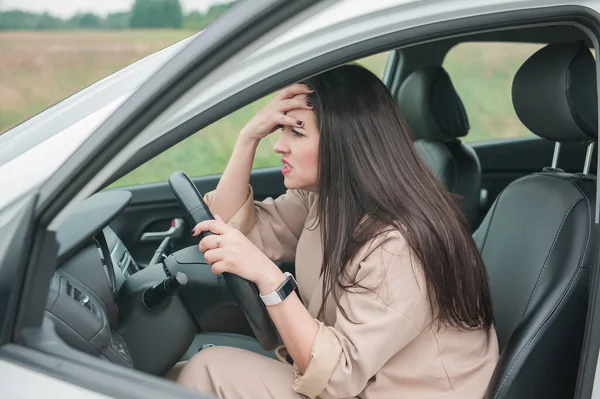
{"x":132,"y":287}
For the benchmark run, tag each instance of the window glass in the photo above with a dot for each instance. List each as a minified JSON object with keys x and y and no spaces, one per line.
{"x":482,"y":74}
{"x":207,"y":151}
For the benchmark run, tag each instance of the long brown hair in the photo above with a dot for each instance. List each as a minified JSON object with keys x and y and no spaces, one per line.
{"x":369,"y":173}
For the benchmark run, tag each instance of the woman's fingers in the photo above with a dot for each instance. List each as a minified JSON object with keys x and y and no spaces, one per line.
{"x":213,"y":256}
{"x":211,"y":242}
{"x":214,"y":226}
{"x":218,"y":267}
{"x":295,"y":89}
{"x":297,"y":102}
{"x":216,"y":259}
{"x":285,"y":120}
{"x":266,"y":121}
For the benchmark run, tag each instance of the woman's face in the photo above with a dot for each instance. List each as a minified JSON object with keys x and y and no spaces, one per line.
{"x":299,"y":149}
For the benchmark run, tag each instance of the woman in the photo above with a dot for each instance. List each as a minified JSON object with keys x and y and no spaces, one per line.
{"x":395,"y":297}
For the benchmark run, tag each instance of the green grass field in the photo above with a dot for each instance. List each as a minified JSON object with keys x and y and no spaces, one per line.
{"x":37,"y":69}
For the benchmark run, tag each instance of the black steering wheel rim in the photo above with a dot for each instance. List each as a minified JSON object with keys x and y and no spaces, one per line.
{"x":244,"y":292}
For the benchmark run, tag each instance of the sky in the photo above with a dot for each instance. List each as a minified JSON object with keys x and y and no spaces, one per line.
{"x":67,"y":8}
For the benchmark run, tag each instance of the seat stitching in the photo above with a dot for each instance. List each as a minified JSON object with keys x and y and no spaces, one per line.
{"x":568,"y":288}
{"x":587,"y":241}
{"x":554,"y":312}
{"x":550,"y":252}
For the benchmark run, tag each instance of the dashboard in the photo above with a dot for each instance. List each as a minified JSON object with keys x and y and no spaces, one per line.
{"x":82,"y":303}
{"x":105,"y":304}
{"x":96,"y":294}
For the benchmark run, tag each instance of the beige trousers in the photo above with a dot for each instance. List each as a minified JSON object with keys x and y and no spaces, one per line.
{"x":232,"y":373}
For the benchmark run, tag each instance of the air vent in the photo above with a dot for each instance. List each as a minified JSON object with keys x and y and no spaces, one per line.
{"x":79,"y":296}
{"x":127,"y":264}
{"x":124,"y":264}
{"x":105,"y":266}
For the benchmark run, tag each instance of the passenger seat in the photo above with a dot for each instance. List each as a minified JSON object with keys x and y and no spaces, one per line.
{"x":437,"y":117}
{"x":537,"y":241}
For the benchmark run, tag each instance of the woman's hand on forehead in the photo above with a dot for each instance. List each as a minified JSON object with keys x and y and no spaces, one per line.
{"x":274,"y":114}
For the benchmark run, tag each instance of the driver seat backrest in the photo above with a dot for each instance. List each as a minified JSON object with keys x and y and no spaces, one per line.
{"x":436,"y":115}
{"x":536,"y":240}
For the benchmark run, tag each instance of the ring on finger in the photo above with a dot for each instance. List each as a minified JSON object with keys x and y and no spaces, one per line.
{"x":218,"y":241}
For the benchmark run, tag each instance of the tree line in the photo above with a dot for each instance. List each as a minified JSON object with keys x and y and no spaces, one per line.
{"x":144,"y":14}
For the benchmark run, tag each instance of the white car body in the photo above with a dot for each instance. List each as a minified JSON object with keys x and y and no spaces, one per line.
{"x":319,"y":30}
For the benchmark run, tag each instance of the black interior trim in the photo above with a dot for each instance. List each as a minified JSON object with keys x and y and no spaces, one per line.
{"x":461,"y":27}
{"x":99,"y":209}
{"x":493,"y":155}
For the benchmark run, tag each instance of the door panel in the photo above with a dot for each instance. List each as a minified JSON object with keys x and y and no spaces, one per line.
{"x":153,"y":207}
{"x":503,"y":161}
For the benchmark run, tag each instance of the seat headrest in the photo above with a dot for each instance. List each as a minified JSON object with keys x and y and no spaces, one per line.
{"x":554,"y":93}
{"x":431,"y":105}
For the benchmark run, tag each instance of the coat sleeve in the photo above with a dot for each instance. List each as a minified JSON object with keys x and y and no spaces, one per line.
{"x":273,"y":225}
{"x":386,"y":314}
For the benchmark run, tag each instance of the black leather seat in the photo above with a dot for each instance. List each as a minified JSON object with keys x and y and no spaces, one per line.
{"x":536,"y":239}
{"x":437,"y":116}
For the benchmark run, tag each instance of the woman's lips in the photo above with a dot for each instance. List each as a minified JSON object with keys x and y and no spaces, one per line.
{"x":287,"y":168}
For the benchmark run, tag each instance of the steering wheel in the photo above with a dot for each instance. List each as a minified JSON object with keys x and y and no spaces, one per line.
{"x":244,"y":291}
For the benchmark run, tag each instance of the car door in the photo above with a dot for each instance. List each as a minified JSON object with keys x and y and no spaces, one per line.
{"x":28,"y":225}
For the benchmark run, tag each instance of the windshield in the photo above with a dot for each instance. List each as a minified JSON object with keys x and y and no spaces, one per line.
{"x":82,"y":105}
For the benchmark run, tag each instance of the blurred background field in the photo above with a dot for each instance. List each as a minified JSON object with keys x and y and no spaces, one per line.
{"x":37,"y":69}
{"x":40,"y":68}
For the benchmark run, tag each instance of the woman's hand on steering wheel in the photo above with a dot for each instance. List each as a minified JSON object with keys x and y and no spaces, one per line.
{"x":228,"y":250}
{"x":273,"y":115}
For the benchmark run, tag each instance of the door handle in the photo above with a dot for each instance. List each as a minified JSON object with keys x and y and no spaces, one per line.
{"x":175,"y":231}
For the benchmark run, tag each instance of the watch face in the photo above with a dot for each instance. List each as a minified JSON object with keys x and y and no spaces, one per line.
{"x":284,"y":290}
{"x":287,"y":287}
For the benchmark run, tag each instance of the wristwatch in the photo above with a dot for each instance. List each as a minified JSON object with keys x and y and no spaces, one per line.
{"x":284,"y":290}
